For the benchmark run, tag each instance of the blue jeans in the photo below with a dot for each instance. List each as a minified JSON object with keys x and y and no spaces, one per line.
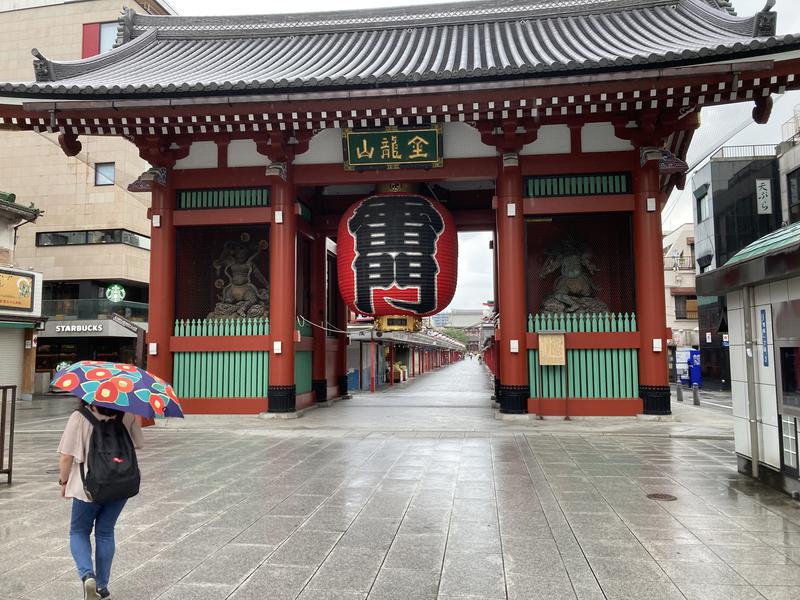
{"x":103,"y":518}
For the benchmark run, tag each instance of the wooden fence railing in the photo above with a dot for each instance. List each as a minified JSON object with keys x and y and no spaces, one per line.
{"x":589,"y":373}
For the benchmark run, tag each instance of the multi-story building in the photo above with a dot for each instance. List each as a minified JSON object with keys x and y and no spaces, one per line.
{"x":20,"y":302}
{"x":737,"y":201}
{"x":679,"y":291}
{"x":85,"y":198}
{"x":789,"y":166}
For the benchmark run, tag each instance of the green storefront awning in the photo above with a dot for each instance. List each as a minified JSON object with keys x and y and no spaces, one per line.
{"x":16,"y":325}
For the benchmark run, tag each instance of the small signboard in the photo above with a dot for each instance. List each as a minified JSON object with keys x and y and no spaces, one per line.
{"x":726,"y":341}
{"x":764,"y":196}
{"x":393,"y":148}
{"x":764,"y":340}
{"x":708,"y":337}
{"x":552,"y":349}
{"x":16,"y":290}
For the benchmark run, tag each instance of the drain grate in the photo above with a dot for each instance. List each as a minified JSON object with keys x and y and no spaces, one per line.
{"x":662,"y":497}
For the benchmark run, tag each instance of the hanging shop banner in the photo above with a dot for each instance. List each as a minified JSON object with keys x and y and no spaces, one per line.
{"x":397,"y":254}
{"x":764,"y":196}
{"x":16,"y":290}
{"x":392,"y":148}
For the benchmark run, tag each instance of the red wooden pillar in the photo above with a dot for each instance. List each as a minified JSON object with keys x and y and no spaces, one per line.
{"x":372,"y":366}
{"x":391,"y":364}
{"x":510,"y":217}
{"x":319,"y":308}
{"x":650,"y":303}
{"x":282,"y":309}
{"x":341,"y":347}
{"x":161,"y":317}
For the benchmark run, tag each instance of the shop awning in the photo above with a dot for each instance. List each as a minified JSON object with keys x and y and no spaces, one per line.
{"x":773,"y":257}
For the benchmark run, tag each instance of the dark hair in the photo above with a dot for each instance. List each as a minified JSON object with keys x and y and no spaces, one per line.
{"x":103,"y":410}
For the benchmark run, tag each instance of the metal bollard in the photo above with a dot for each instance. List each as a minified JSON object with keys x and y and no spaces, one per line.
{"x":680,"y":392}
{"x":695,"y":394}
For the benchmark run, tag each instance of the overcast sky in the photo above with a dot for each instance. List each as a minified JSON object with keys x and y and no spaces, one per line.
{"x":718,"y":124}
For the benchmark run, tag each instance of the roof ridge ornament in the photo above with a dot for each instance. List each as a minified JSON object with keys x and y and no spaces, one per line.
{"x":125,"y":23}
{"x":765,"y":23}
{"x":42,"y":67}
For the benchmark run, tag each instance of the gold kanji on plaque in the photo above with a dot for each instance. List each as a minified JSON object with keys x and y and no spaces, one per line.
{"x":365,"y":150}
{"x":417,"y":143}
{"x":390,"y":148}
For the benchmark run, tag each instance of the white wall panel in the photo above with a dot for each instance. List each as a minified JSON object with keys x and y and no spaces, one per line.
{"x":202,"y":155}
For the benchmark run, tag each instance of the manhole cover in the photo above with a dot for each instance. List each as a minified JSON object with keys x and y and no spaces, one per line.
{"x":662,"y":497}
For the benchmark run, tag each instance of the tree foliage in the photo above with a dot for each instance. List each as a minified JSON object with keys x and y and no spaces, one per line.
{"x":456,"y":334}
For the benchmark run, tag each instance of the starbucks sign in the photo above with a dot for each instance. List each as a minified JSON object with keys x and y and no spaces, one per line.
{"x":115,"y":292}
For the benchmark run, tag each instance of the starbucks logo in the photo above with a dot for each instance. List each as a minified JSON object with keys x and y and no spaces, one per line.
{"x":115,"y":293}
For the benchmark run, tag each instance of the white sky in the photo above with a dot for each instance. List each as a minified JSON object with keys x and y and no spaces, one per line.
{"x":475,"y":259}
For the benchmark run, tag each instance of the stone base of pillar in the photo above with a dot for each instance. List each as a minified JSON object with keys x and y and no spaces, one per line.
{"x":656,"y":399}
{"x":320,"y":388}
{"x":281,"y":398}
{"x":514,"y":399}
{"x":343,"y":386}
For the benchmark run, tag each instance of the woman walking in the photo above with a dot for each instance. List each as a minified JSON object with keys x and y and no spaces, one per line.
{"x":74,"y":450}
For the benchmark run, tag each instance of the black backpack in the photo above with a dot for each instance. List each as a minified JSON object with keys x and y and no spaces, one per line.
{"x":113,"y":471}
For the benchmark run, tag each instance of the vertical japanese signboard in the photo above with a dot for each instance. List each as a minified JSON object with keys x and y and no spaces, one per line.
{"x":764,"y":339}
{"x":393,"y":148}
{"x":764,"y":196}
{"x":16,"y":291}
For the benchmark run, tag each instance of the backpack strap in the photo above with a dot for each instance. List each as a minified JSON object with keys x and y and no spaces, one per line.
{"x":84,"y":410}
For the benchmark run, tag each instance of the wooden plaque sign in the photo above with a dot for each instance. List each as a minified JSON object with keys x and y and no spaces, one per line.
{"x":393,"y":148}
{"x":552,"y":350}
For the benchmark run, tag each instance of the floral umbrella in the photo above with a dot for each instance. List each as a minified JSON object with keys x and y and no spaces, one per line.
{"x":119,"y":386}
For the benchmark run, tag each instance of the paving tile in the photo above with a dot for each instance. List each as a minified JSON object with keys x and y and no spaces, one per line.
{"x":348,"y":569}
{"x":469,"y":574}
{"x":305,"y":548}
{"x":416,"y":551}
{"x":707,"y":591}
{"x":526,"y":586}
{"x":779,"y":592}
{"x":641,"y":590}
{"x":759,"y":575}
{"x":277,"y":582}
{"x":405,"y":584}
{"x":196,"y":591}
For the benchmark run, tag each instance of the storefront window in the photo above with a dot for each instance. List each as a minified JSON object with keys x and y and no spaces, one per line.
{"x":790,"y":378}
{"x":793,"y":187}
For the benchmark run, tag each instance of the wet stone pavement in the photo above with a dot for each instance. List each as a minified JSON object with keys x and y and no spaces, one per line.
{"x":340,"y":513}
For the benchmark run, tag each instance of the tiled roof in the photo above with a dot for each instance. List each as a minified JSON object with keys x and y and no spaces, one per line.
{"x":467,"y":41}
{"x":780,"y":239}
{"x":8,"y":205}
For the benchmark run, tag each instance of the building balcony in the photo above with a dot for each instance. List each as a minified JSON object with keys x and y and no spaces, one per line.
{"x":745,"y":152}
{"x":89,"y":309}
{"x":680,"y":263}
{"x":686,"y":315}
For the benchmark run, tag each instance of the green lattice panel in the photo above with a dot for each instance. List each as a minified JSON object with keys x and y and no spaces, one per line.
{"x":221,"y":374}
{"x":223,"y":198}
{"x":596,"y":184}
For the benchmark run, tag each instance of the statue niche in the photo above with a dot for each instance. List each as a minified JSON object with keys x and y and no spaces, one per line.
{"x":246,"y":292}
{"x":573,"y":290}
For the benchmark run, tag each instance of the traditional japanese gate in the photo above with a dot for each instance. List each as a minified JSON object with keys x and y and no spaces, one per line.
{"x":565,"y":151}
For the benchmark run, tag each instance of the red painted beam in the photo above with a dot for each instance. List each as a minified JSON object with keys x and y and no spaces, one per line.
{"x":224,"y":406}
{"x":592,"y":341}
{"x":227,"y":216}
{"x":254,"y":343}
{"x":585,"y":407}
{"x":585,"y":163}
{"x":578,"y":204}
{"x":221,"y":343}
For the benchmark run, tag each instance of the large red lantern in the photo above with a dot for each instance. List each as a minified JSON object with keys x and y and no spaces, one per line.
{"x":397,"y":254}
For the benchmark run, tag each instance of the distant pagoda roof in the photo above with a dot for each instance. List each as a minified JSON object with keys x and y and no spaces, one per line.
{"x":159,"y":56}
